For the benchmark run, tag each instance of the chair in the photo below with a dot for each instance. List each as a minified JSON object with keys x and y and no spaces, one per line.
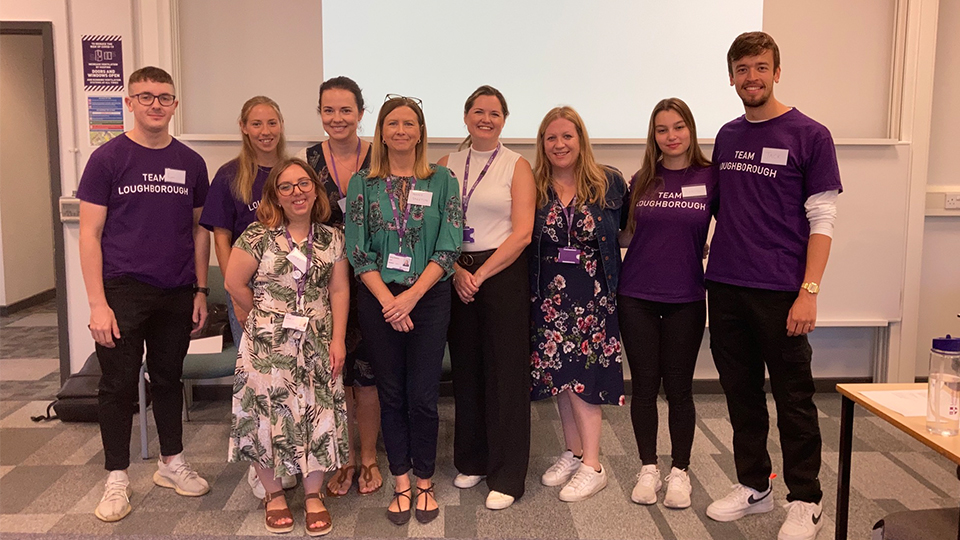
{"x":195,"y":366}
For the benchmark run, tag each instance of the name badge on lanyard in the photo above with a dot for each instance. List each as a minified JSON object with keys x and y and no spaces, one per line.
{"x":465,"y":195}
{"x":342,"y":201}
{"x":399,"y":261}
{"x":301,"y":266}
{"x":295,"y":322}
{"x":568,"y":254}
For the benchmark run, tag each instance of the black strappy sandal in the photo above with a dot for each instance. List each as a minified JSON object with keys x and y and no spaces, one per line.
{"x":426,"y":516}
{"x":401,"y":517}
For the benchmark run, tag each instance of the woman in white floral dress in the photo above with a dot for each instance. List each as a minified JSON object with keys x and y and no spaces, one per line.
{"x":289,"y":409}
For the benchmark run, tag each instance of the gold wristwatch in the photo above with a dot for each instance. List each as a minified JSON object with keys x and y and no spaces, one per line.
{"x":810,"y":287}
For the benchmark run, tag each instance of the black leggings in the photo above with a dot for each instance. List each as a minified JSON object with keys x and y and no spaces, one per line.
{"x":662,"y":342}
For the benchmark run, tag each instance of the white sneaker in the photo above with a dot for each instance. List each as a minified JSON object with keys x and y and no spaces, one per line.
{"x":499,"y":501}
{"x":740,"y":502}
{"x":678,"y":489}
{"x":115,"y":504}
{"x":803,"y":522}
{"x":467,"y":481}
{"x":562,"y":470}
{"x":584,"y":484}
{"x":287,"y":482}
{"x":180,"y":476}
{"x":648,"y":484}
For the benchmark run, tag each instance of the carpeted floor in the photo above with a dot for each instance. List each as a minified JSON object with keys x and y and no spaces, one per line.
{"x":51,"y":474}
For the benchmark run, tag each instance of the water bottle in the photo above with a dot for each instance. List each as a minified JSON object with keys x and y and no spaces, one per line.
{"x":943,"y":387}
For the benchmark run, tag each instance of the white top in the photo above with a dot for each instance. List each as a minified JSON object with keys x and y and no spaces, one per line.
{"x":490,"y":206}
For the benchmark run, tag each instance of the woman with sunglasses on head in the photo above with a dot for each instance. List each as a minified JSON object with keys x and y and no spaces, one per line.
{"x":489,"y":333}
{"x":233,"y":199}
{"x":289,"y":411}
{"x":404,"y":223}
{"x":661,"y":298}
{"x":335,"y":161}
{"x":576,"y":352}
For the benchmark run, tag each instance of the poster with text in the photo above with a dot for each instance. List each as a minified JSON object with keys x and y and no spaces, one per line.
{"x":102,"y":63}
{"x":106,"y":118}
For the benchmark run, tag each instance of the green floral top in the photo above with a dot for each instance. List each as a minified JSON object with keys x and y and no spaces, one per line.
{"x":434,"y":232}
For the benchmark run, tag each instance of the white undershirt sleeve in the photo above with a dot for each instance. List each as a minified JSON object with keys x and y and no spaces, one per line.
{"x":822,"y":212}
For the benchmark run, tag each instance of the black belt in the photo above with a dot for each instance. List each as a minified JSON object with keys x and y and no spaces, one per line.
{"x":475,"y":258}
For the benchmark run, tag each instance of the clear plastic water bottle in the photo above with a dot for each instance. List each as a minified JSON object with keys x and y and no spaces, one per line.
{"x":943,"y":387}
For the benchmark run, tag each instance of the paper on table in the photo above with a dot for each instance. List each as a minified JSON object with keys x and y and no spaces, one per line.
{"x":905,"y":402}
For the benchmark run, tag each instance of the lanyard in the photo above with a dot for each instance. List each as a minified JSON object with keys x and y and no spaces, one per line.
{"x":302,"y":280}
{"x":401,"y":226}
{"x":465,"y":197}
{"x":333,"y":161}
{"x":569,"y":217}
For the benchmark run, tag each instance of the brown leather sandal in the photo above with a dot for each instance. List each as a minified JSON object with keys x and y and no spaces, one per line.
{"x":271,"y":517}
{"x":367,"y":476}
{"x":322,"y":517}
{"x":344,"y":474}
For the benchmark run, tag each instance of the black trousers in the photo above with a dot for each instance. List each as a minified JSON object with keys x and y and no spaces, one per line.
{"x":489,"y":342}
{"x":407,"y":366}
{"x":748,"y":330}
{"x":662,"y":342}
{"x":163,"y":319}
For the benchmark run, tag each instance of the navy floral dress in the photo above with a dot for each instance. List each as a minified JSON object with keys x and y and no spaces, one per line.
{"x":576,"y":336}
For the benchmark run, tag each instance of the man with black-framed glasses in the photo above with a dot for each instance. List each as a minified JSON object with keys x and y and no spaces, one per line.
{"x":144,"y":262}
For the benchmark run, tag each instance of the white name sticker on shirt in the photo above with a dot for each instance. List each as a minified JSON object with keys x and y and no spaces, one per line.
{"x":298,"y":259}
{"x":175,"y":176}
{"x":693,"y":192}
{"x":295,"y":322}
{"x":343,"y":205}
{"x":422,"y":198}
{"x":774,"y":156}
{"x":396,"y":261}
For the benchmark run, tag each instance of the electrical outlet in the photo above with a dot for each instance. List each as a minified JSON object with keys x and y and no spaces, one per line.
{"x":952,"y":201}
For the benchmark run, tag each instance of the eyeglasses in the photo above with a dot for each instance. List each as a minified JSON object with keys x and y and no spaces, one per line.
{"x":416,"y":100}
{"x":306,"y":186}
{"x":146,"y":99}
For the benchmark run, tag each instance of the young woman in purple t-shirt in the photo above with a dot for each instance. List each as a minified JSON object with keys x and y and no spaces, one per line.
{"x":661,"y":298}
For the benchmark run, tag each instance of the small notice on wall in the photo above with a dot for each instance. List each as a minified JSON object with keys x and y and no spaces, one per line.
{"x":102,"y":63}
{"x":106,"y":118}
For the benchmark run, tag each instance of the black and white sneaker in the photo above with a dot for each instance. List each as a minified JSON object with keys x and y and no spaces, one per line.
{"x":804,"y":520}
{"x":740,"y":502}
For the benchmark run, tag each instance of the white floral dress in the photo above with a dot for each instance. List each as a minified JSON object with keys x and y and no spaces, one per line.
{"x":289,"y":412}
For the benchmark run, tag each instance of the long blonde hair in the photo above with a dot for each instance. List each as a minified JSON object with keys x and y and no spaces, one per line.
{"x":591,"y":177}
{"x":242,"y":185}
{"x":646,"y":178}
{"x":380,"y":159}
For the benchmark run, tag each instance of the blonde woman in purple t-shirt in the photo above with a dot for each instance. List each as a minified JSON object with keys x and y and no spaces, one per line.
{"x":661,"y":297}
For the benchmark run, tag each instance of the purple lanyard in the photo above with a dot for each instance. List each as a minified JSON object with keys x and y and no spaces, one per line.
{"x":569,"y":217}
{"x":302,"y":281}
{"x":401,"y":226}
{"x":465,"y":197}
{"x":333,"y":161}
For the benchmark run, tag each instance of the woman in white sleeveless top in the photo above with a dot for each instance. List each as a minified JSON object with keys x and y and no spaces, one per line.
{"x":489,"y":332}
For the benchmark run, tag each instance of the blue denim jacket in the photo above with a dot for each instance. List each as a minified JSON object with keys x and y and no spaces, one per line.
{"x":608,"y":221}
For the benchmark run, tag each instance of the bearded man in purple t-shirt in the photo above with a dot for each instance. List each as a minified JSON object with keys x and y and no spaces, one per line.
{"x":778,"y":182}
{"x":144,"y":262}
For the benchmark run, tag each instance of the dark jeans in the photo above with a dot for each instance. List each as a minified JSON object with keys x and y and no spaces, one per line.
{"x":748,"y":330}
{"x":408,"y":367}
{"x":163,"y":319}
{"x":662,"y":342}
{"x":490,"y":355}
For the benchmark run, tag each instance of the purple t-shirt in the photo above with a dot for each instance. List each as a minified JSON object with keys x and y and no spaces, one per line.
{"x":223,"y":209}
{"x":664,"y":262}
{"x":767,"y":170}
{"x":150,"y":195}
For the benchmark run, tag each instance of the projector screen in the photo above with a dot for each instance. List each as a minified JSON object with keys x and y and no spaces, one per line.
{"x":611,"y":60}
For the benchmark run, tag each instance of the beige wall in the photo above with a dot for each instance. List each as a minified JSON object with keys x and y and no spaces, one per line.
{"x":940,"y":273}
{"x":26,"y":224}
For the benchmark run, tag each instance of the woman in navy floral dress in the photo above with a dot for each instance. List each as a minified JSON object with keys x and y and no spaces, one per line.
{"x":576,"y":352}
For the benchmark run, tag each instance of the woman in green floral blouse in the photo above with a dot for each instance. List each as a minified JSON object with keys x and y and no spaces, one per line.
{"x":404,"y":229}
{"x":289,"y":407}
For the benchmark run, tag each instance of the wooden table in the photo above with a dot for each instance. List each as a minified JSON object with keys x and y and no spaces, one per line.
{"x":915,"y":426}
